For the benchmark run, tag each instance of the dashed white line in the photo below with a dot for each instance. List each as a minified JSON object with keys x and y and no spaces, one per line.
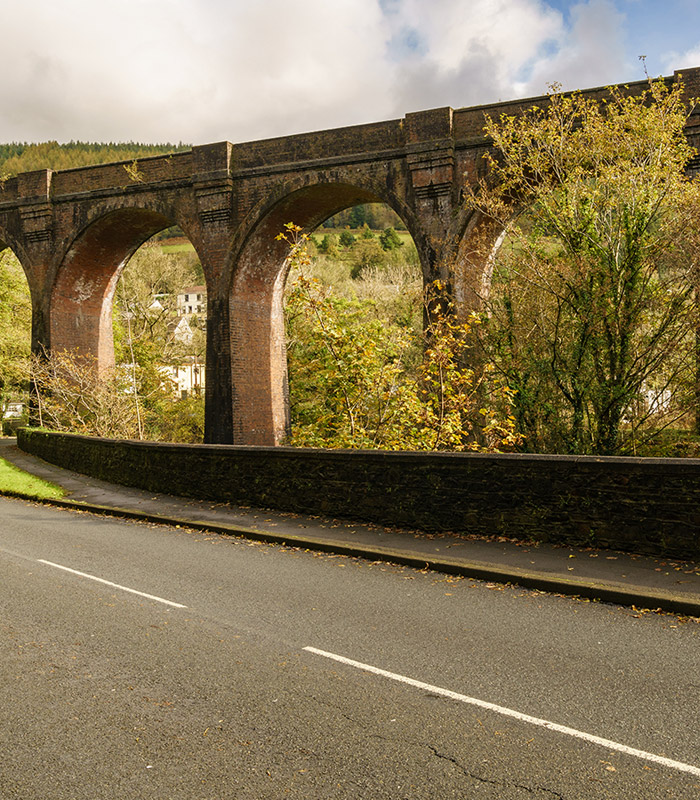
{"x":114,"y":585}
{"x":508,"y":712}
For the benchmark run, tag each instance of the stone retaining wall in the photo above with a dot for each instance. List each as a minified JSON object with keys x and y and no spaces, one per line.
{"x":640,"y":505}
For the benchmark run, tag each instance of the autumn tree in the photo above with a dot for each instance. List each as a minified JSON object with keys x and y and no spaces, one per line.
{"x":592,"y":312}
{"x":71,"y":394}
{"x":359,"y":380}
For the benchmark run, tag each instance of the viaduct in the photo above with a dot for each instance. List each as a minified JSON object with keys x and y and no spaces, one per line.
{"x":74,"y":230}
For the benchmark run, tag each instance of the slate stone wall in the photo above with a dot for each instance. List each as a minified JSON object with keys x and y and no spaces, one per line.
{"x":639,"y":505}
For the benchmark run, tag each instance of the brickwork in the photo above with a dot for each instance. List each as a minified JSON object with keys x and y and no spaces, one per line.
{"x":649,"y":506}
{"x":73,"y":231}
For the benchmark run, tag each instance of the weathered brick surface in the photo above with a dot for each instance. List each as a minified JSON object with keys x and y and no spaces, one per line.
{"x":73,"y":231}
{"x":639,"y":505}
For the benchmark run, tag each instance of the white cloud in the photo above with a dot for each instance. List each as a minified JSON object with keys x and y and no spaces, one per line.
{"x":591,"y":53}
{"x":196,"y":70}
{"x":206,"y":70}
{"x":472,"y":51}
{"x":678,"y":61}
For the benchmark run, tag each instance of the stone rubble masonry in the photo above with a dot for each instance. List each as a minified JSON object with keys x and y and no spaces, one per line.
{"x":640,"y":505}
{"x":74,"y":230}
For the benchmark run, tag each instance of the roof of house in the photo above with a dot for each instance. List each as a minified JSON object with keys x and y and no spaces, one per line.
{"x":193,"y":290}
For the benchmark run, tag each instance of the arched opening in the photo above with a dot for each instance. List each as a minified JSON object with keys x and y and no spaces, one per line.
{"x":261,"y":411}
{"x":15,"y":342}
{"x":81,"y":301}
{"x":159,"y":324}
{"x":473,"y":262}
{"x":129,"y":304}
{"x":354,"y":308}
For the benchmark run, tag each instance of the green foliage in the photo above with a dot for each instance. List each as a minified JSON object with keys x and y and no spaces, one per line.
{"x":376,"y":216}
{"x":328,"y":246}
{"x":15,"y":326}
{"x":346,"y":239}
{"x":16,"y":157}
{"x":366,"y":232}
{"x":367,"y":254}
{"x":354,"y":380}
{"x":174,"y":419}
{"x":390,"y":240}
{"x":592,"y":308}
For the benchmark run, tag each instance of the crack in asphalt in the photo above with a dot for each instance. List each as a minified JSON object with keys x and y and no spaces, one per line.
{"x":438,"y":754}
{"x":481,"y":779}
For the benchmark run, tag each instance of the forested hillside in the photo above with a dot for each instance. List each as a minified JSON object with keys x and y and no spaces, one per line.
{"x":22,"y":157}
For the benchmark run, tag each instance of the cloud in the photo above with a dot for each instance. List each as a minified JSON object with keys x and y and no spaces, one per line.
{"x":206,"y":70}
{"x":486,"y":51}
{"x":679,"y":61}
{"x":591,"y":53}
{"x":472,"y":52}
{"x":195,"y":70}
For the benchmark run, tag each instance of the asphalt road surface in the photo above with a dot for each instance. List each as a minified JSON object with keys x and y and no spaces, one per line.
{"x":141,"y":661}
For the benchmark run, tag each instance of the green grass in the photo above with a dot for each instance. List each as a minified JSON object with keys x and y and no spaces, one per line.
{"x":183,"y":247}
{"x":17,"y":481}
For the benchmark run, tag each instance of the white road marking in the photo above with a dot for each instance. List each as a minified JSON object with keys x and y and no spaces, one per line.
{"x":507,"y":712}
{"x":109,"y":583}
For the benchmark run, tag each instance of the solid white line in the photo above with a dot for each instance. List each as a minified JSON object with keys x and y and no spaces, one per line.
{"x":543,"y":723}
{"x":109,"y":583}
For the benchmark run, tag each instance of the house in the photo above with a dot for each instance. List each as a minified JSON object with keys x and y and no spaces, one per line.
{"x":192,"y":300}
{"x":180,"y":331}
{"x":187,"y":377}
{"x":12,"y":410}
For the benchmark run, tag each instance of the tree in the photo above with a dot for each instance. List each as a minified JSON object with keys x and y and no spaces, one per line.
{"x":146,"y":299}
{"x":354,"y":381}
{"x":328,"y":246}
{"x":367,"y":254}
{"x":147,"y":339}
{"x":358,"y":216}
{"x":366,"y":232}
{"x":376,"y":215}
{"x":15,"y":158}
{"x":346,"y":239}
{"x":15,"y":326}
{"x":390,"y":240}
{"x":592,"y":308}
{"x":73,"y":395}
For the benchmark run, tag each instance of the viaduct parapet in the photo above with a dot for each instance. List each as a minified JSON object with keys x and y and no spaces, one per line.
{"x":74,"y":230}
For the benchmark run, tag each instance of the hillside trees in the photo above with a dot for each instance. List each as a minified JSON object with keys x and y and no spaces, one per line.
{"x":17,"y":157}
{"x":592,"y":310}
{"x":375,"y":215}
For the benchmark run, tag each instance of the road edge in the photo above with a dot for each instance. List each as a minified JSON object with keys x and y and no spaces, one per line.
{"x":620,"y":594}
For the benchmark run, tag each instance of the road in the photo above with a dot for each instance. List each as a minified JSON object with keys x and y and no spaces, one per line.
{"x":205,"y":688}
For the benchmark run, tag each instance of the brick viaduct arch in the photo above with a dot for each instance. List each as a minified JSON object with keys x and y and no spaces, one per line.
{"x":74,"y":230}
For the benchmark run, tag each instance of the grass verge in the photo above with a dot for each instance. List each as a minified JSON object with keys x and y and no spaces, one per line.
{"x":181,"y":247}
{"x":17,"y":481}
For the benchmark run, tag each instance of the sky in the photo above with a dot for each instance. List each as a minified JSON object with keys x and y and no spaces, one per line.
{"x":198,"y":71}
